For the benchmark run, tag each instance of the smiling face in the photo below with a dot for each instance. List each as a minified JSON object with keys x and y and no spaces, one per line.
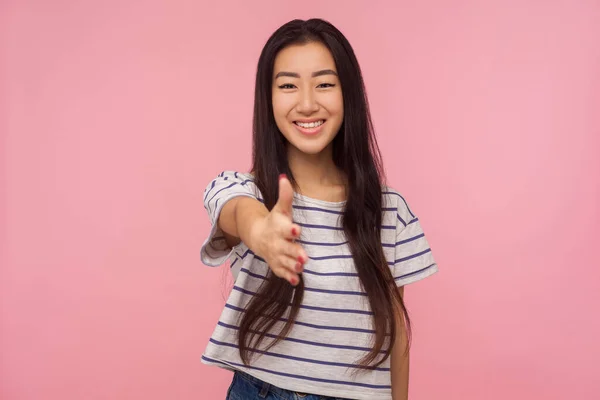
{"x":307,"y":97}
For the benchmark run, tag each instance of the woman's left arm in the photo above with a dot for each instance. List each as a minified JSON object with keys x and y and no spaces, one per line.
{"x":400,"y":360}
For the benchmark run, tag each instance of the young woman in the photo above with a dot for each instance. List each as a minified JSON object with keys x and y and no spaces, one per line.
{"x":320,"y":248}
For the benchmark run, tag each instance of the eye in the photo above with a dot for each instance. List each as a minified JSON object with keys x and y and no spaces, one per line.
{"x":325,"y":85}
{"x":286,"y":86}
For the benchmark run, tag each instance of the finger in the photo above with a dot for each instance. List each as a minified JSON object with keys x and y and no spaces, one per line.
{"x":286,"y":196}
{"x":292,"y":278}
{"x":286,"y":274}
{"x":290,"y":231}
{"x":293,"y":251}
{"x":291,"y":264}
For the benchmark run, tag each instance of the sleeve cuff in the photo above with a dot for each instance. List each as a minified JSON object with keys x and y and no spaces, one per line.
{"x":214,"y":251}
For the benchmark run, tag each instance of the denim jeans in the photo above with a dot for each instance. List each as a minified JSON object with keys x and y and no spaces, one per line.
{"x":246,"y":387}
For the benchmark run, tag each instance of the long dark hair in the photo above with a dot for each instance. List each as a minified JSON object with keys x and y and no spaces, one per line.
{"x":355,"y":152}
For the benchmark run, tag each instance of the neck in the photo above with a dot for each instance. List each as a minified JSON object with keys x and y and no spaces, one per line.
{"x":314,"y":171}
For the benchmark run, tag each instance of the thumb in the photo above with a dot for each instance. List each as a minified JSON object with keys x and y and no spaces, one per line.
{"x":286,"y":196}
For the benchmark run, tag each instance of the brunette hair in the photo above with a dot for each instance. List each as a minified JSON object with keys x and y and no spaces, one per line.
{"x":356,"y":153}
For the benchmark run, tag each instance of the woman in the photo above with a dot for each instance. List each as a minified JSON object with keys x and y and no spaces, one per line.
{"x":320,"y":248}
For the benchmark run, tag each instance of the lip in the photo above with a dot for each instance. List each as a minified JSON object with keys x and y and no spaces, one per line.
{"x":306,"y":121}
{"x":310,"y":131}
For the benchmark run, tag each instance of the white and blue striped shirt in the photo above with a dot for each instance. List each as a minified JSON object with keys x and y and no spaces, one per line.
{"x":333,"y":329}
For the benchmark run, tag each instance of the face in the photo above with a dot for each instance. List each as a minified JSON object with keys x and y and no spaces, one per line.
{"x":307,"y":97}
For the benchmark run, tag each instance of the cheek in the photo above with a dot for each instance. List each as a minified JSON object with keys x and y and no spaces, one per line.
{"x":336,"y":110}
{"x":335,"y":104}
{"x":281,"y":105}
{"x":280,"y":112}
{"x":276,"y":104}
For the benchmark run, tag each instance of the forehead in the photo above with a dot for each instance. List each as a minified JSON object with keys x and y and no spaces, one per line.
{"x":304,"y":58}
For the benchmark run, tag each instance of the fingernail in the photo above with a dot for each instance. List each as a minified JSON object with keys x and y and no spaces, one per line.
{"x":294,"y":231}
{"x":298,"y":267}
{"x":294,"y":281}
{"x":300,"y":259}
{"x":282,"y":176}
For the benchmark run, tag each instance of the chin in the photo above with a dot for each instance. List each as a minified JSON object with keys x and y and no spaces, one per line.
{"x":310,"y":149}
{"x":309,"y":146}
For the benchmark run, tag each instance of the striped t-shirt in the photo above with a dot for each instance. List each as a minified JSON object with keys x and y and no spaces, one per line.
{"x":333,"y":329}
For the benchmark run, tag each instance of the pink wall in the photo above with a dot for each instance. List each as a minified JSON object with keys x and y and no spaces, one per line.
{"x":115,"y":116}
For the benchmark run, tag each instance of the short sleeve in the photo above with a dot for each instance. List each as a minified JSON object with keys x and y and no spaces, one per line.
{"x":219,"y":191}
{"x":413,"y":258}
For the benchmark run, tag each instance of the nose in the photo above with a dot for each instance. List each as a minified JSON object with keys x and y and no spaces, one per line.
{"x":307,"y":103}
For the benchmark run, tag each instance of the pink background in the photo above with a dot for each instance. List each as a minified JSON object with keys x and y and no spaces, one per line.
{"x":115,"y":115}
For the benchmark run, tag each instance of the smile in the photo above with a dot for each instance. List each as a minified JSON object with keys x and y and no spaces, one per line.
{"x":309,"y":125}
{"x":311,"y":128}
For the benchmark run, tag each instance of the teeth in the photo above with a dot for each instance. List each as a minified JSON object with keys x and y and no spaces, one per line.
{"x":310,"y":124}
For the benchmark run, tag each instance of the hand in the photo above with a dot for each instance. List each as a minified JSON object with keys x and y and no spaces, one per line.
{"x":272,"y":237}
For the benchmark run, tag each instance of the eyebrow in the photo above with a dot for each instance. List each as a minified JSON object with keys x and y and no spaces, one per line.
{"x":314,"y":74}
